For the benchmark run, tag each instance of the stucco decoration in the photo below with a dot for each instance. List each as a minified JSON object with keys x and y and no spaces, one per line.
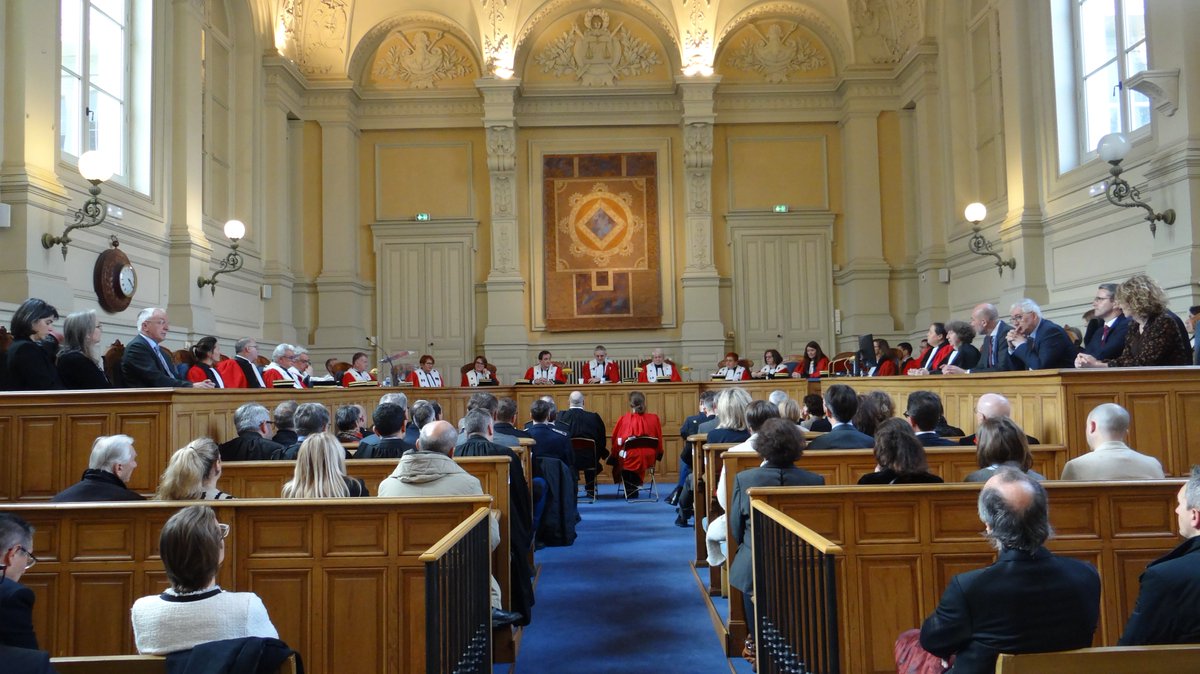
{"x":597,"y":53}
{"x":314,"y":34}
{"x":775,"y":52}
{"x":400,"y":30}
{"x":885,"y":29}
{"x":821,"y":29}
{"x":419,"y":59}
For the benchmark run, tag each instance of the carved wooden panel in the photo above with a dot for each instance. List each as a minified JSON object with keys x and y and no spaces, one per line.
{"x":1152,"y":421}
{"x":356,"y":616}
{"x":39,"y":441}
{"x":1139,"y":517}
{"x":94,"y":599}
{"x":273,"y":536}
{"x":82,"y":431}
{"x":287,"y":594}
{"x":890,"y":586}
{"x":354,"y":535}
{"x":101,"y":539}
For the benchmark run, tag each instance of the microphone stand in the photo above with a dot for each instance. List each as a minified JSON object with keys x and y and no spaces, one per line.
{"x":384,"y":358}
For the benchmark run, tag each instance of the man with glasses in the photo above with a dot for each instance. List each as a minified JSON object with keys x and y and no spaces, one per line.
{"x":1105,"y":335}
{"x":1036,"y":343}
{"x":144,"y":365}
{"x":301,"y":368}
{"x":16,"y":600}
{"x":254,"y":427}
{"x":282,"y":359}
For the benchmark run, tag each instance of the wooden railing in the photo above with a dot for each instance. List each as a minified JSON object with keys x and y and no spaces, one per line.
{"x":458,"y":623}
{"x":795,"y":576}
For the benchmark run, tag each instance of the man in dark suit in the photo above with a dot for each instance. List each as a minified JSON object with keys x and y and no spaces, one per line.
{"x":388,"y":423}
{"x":993,"y":354}
{"x":143,"y":365}
{"x":582,"y":423}
{"x":841,"y":402}
{"x":1104,"y":338}
{"x":110,"y":466}
{"x":16,"y":600}
{"x":1168,"y":606}
{"x":682,"y":496}
{"x":990,"y":406}
{"x":1192,"y":321}
{"x":285,"y":423}
{"x":253,"y":423}
{"x":398,"y":399}
{"x":1028,"y":601}
{"x":924,"y":410}
{"x":551,"y":442}
{"x":311,"y":418}
{"x":506,"y":414}
{"x":1035,"y":343}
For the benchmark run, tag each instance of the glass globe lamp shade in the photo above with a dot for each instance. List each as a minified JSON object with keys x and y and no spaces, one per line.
{"x":235,"y":230}
{"x":975,"y":212}
{"x":1113,"y":147}
{"x":94,"y":166}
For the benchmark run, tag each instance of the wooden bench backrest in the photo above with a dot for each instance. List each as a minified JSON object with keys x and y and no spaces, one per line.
{"x":132,"y":664}
{"x":902,"y":545}
{"x":341,"y":578}
{"x":1111,"y":660}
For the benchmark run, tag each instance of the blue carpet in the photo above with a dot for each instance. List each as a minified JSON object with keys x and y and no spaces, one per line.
{"x":621,"y":599}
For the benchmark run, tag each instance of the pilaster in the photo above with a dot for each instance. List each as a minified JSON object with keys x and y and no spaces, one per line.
{"x":280,"y":232}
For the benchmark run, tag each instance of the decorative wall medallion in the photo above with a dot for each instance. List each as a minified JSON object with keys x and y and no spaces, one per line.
{"x":775,"y":53}
{"x":884,"y":29}
{"x":596,"y":54}
{"x":419,"y":60}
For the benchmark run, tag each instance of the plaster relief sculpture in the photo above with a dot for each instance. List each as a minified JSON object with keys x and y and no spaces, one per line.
{"x":775,"y":54}
{"x":596,"y":55}
{"x":420,"y":62}
{"x":884,"y":29}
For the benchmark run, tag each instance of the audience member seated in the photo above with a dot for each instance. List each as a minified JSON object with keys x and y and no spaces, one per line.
{"x":192,"y":473}
{"x":110,"y":466}
{"x":550,"y":441}
{"x":321,"y":470}
{"x":1157,"y":336}
{"x":1028,"y":601}
{"x":1002,"y":444}
{"x":923,"y":413}
{"x":28,"y":364}
{"x":1106,"y":429}
{"x":206,"y":352}
{"x":422,"y":412}
{"x":780,"y":443}
{"x":601,"y":370}
{"x":813,"y":363}
{"x":78,"y":363}
{"x":194,"y":609}
{"x":425,"y":376}
{"x":279,"y":370}
{"x":1168,"y":606}
{"x":873,"y":409}
{"x":480,"y":375}
{"x":730,"y":424}
{"x":545,"y":372}
{"x":429,"y":470}
{"x":1105,"y":335}
{"x":993,"y":355}
{"x":637,"y":422}
{"x":658,"y":369}
{"x":285,"y":423}
{"x":348,"y":421}
{"x":772,"y":365}
{"x":757,"y":413}
{"x":936,"y":353}
{"x":990,"y":406}
{"x":310,"y":419}
{"x":899,"y":457}
{"x":682,"y":496}
{"x":960,"y":335}
{"x":1036,"y":343}
{"x":242,"y":371}
{"x":506,"y":418}
{"x":398,"y":399}
{"x":886,"y":364}
{"x":388,"y":421}
{"x":841,"y":403}
{"x":582,"y":423}
{"x":814,"y":414}
{"x":1193,"y":320}
{"x":731,"y":369}
{"x":253,"y":424}
{"x":16,"y":600}
{"x":144,"y":365}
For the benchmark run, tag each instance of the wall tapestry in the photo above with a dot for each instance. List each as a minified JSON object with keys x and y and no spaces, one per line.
{"x":601,"y":218}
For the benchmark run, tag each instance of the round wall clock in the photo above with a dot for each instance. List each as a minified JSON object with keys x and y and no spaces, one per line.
{"x":115,"y":279}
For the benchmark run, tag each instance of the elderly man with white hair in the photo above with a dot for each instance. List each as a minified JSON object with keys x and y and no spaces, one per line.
{"x":282,"y":359}
{"x":991,"y":406}
{"x":1036,"y":343}
{"x":110,"y":466}
{"x":658,"y":370}
{"x":143,"y":364}
{"x":1110,"y":458}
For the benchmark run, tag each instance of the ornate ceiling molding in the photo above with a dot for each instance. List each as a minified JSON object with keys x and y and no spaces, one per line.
{"x":370,"y":42}
{"x":556,"y":8}
{"x":809,"y":17}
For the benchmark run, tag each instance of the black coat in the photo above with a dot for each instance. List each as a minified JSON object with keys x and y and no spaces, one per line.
{"x":690,"y":427}
{"x":889,"y":476}
{"x":505,"y":428}
{"x":932,"y":439}
{"x":725,"y":436}
{"x":968,"y":357}
{"x":560,"y":514}
{"x":285,"y":438}
{"x":845,"y":436}
{"x":821,"y":425}
{"x":28,"y":367}
{"x":249,"y":446}
{"x":97,"y":485}
{"x":249,"y":655}
{"x":78,"y":372}
{"x":16,"y":615}
{"x":741,"y":571}
{"x":1023,"y":603}
{"x":581,"y":423}
{"x":25,"y":661}
{"x":141,"y":368}
{"x":1168,"y":606}
{"x":1112,"y":346}
{"x":386,"y":448}
{"x":551,"y":443}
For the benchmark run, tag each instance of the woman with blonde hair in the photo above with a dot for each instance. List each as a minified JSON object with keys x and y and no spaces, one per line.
{"x":192,"y":473}
{"x":1157,"y":337}
{"x":731,"y":416}
{"x":78,"y":365}
{"x":321,"y":471}
{"x":790,"y":409}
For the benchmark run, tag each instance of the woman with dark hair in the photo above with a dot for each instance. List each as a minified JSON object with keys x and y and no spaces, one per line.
{"x":934,"y":356}
{"x":900,"y":456}
{"x":1001,"y":442}
{"x":874,"y":408}
{"x":78,"y":366}
{"x":206,"y":352}
{"x":349,"y":421}
{"x":480,"y":375}
{"x":732,"y":369}
{"x":358,"y":370}
{"x":886,"y":364}
{"x":1157,"y":337}
{"x":28,"y":365}
{"x":194,"y":609}
{"x":772,"y":364}
{"x":813,"y":363}
{"x":960,"y":334}
{"x":425,"y":376}
{"x":780,"y":443}
{"x":634,"y":423}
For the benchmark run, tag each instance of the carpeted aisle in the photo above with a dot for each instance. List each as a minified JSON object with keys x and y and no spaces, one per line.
{"x":621,"y":599}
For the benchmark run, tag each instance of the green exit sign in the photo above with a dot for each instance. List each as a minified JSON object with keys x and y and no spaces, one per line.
{"x":781,"y":208}
{"x":422,"y":217}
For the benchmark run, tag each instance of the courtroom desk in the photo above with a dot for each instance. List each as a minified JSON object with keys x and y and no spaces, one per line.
{"x":341,"y":579}
{"x":901,"y":545}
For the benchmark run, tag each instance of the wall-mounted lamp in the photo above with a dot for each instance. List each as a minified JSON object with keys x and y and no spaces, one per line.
{"x":975,"y":213}
{"x":95,"y":168}
{"x":235,"y":230}
{"x":1112,"y":149}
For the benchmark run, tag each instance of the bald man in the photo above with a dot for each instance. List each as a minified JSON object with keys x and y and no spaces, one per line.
{"x":993,"y":356}
{"x":990,"y":406}
{"x":1106,"y":429}
{"x":1028,"y":601}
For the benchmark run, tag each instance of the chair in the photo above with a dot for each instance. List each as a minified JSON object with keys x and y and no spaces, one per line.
{"x":640,"y":452}
{"x":585,"y":457}
{"x":6,"y":338}
{"x":112,"y":364}
{"x":643,"y":364}
{"x":184,"y":360}
{"x":842,"y":363}
{"x":471,"y":366}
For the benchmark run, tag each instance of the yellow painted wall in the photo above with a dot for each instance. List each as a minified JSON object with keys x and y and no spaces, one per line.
{"x":891,"y":190}
{"x":311,"y":259}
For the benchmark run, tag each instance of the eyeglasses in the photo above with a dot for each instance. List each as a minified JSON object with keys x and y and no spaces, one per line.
{"x":1017,"y":317}
{"x":224,"y":528}
{"x":1101,"y":299}
{"x":30,"y":559}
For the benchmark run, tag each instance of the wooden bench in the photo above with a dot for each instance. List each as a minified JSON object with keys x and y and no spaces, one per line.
{"x":902,"y":544}
{"x":1109,"y":660}
{"x":131,"y":664}
{"x":341,"y":578}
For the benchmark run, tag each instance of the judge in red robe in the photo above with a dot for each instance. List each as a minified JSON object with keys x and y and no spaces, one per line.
{"x":601,"y":370}
{"x":426,"y":376}
{"x":358,"y":370}
{"x":658,"y":369}
{"x":545,"y":372}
